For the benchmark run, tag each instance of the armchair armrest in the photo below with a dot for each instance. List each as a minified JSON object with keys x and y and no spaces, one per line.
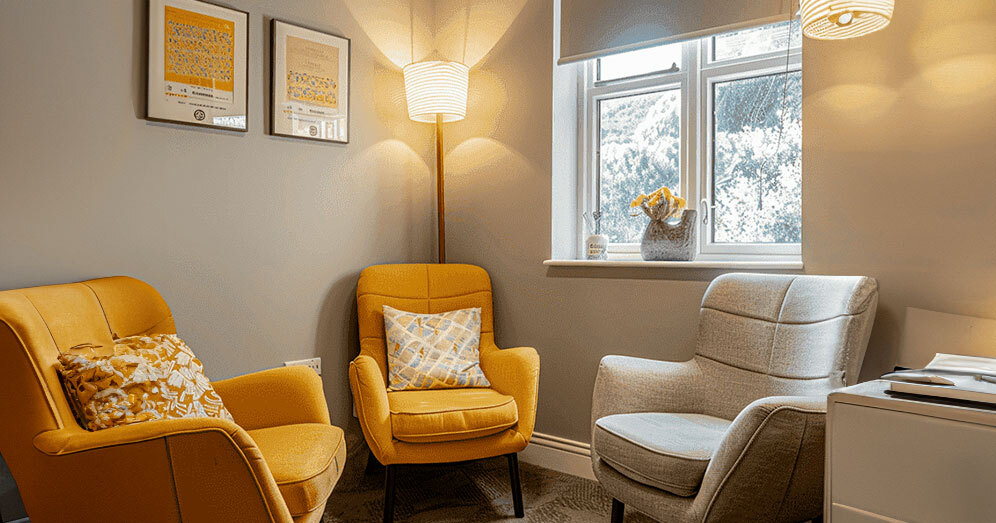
{"x":209,"y":459}
{"x":625,"y":384}
{"x":372,"y":407}
{"x":771,"y":461}
{"x":280,"y":396}
{"x":515,"y":372}
{"x":73,"y":439}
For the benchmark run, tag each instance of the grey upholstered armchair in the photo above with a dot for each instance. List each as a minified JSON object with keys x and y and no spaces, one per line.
{"x":736,"y":433}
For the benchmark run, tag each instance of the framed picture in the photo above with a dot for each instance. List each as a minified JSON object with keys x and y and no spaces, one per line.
{"x":309,"y":84}
{"x":198,"y":64}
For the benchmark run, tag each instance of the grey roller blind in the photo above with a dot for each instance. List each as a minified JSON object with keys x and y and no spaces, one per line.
{"x":594,"y":28}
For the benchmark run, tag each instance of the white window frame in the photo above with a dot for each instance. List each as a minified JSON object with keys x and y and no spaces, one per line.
{"x":696,"y":78}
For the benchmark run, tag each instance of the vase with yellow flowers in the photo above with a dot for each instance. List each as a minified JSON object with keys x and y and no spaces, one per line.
{"x":670,"y":235}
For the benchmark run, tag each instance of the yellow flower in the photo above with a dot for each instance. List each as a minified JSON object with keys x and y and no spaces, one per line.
{"x":661,"y":195}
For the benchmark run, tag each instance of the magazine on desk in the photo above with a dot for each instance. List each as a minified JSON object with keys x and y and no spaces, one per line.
{"x":950,"y":376}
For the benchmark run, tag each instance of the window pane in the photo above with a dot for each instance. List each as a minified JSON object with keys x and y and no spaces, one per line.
{"x":640,"y":145}
{"x":757,"y":155}
{"x":635,"y":63}
{"x":755,"y":41}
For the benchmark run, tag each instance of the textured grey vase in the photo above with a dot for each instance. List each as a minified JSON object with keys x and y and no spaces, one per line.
{"x":663,"y":241}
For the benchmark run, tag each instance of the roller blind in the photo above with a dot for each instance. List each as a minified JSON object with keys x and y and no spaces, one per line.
{"x":594,"y":28}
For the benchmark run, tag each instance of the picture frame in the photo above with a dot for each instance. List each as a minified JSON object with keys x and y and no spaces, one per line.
{"x":198,"y":64}
{"x":309,"y":83}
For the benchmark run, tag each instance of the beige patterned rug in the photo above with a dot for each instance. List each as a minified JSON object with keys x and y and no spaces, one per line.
{"x":472,"y":491}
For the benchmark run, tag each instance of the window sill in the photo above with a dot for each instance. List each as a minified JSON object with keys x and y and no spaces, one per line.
{"x":695,"y":264}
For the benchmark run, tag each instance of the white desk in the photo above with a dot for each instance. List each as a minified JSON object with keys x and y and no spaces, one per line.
{"x":892,"y":459}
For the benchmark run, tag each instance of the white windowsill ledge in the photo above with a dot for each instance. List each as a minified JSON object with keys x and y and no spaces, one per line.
{"x":696,"y":264}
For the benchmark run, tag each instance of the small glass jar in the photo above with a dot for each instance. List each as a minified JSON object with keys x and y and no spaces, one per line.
{"x":597,"y":247}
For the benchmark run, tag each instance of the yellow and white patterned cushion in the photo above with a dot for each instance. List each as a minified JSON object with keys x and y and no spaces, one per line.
{"x":143,"y":378}
{"x":434,"y":351}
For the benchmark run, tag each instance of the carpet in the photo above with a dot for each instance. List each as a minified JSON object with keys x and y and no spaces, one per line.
{"x":477,"y":491}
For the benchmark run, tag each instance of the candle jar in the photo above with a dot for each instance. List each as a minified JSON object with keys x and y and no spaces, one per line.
{"x":597,"y":247}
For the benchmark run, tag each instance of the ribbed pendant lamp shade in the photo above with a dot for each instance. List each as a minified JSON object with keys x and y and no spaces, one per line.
{"x":840,"y":19}
{"x":436,"y":88}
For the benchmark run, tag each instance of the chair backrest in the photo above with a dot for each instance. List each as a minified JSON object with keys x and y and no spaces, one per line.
{"x":421,"y":288}
{"x":35,"y":325}
{"x":772,"y":334}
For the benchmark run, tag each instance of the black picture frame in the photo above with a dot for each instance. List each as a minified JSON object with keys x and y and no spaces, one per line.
{"x":151,"y":64}
{"x":274,"y":128}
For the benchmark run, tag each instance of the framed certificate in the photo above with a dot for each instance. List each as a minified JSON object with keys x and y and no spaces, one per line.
{"x":198,"y":64}
{"x":309,"y":84}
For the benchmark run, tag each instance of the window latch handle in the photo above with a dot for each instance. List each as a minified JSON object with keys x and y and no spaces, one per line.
{"x":705,"y":211}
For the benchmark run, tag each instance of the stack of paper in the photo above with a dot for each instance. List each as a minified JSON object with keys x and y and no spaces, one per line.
{"x":967,"y":364}
{"x":960,"y":378}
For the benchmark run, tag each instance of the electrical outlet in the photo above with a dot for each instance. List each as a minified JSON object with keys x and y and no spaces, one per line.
{"x":314,"y":363}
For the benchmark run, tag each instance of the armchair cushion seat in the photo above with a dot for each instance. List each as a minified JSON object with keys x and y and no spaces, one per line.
{"x":305,"y":459}
{"x":430,"y":416}
{"x":667,"y":451}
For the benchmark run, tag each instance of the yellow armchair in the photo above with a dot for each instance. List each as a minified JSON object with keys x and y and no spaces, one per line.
{"x":277,"y":463}
{"x":448,"y":425}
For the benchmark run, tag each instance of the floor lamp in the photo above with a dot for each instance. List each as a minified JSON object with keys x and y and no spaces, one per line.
{"x":437,"y":93}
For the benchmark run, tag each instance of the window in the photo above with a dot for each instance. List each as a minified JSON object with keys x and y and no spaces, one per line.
{"x":718,"y":121}
{"x":639,"y":145}
{"x":756,"y":182}
{"x":756,"y":41}
{"x":639,"y":63}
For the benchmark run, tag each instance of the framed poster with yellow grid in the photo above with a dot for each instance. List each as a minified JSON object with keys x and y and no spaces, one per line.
{"x":309,"y":86}
{"x":198,"y":64}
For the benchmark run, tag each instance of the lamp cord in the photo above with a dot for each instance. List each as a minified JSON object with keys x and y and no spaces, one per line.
{"x":781,"y":119}
{"x":466,"y":33}
{"x":411,"y":21}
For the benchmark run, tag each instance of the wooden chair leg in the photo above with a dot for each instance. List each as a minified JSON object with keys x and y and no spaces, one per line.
{"x":513,"y":471}
{"x":389,"y":472}
{"x":617,"y":511}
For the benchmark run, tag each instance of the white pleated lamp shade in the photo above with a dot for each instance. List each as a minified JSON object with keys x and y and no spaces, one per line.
{"x":436,"y":88}
{"x":840,"y":19}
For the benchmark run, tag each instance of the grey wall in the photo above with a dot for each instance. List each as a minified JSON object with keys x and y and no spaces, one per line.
{"x":899,"y":173}
{"x":255,"y":241}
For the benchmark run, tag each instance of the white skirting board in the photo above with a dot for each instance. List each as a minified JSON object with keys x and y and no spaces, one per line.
{"x":560,"y":454}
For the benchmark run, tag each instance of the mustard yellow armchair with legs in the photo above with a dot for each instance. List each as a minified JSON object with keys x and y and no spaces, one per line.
{"x":441,"y":425}
{"x":279,"y":463}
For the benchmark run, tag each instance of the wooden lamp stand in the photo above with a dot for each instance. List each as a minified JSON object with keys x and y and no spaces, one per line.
{"x":440,"y":197}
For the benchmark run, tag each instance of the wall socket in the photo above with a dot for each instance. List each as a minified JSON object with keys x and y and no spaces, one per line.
{"x":314,"y":363}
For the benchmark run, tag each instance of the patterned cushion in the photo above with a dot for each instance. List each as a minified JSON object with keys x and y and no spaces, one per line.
{"x":140,"y":379}
{"x":434,"y":351}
